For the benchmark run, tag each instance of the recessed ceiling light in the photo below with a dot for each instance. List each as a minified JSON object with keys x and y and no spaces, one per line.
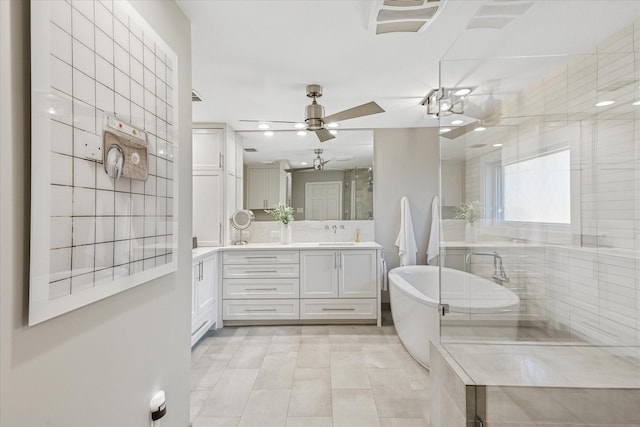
{"x":604,"y":103}
{"x":462,"y":92}
{"x":268,"y":133}
{"x":457,"y":122}
{"x":303,"y":163}
{"x":480,"y":129}
{"x":299,"y":125}
{"x":333,"y":125}
{"x":333,"y":132}
{"x":445,"y":130}
{"x":497,"y":145}
{"x":263,"y":126}
{"x":301,"y":132}
{"x":636,"y":103}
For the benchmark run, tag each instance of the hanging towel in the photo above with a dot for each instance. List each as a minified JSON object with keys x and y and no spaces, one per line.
{"x":433,"y":248}
{"x":406,"y":240}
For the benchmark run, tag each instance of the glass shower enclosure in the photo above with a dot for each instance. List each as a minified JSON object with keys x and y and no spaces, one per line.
{"x":540,"y":195}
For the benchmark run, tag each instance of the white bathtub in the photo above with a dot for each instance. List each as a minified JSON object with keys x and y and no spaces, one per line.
{"x":415,"y":295}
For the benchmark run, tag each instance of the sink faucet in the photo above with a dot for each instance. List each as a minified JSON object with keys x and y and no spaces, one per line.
{"x":499,"y":275}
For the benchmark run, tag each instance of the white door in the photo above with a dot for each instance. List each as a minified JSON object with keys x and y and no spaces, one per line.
{"x":207,"y":149}
{"x":319,"y":274}
{"x":358,"y":274}
{"x":323,"y":200}
{"x":208,"y":207}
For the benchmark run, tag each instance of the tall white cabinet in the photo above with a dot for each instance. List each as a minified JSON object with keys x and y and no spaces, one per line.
{"x":266,"y":186}
{"x":217,"y":184}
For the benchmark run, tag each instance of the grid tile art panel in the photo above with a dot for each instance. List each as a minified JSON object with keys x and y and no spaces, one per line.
{"x":97,"y":61}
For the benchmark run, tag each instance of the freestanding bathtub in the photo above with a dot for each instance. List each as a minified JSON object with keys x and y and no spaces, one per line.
{"x":415,"y":295}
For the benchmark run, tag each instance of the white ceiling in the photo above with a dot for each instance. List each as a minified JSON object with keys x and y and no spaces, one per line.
{"x":253,"y":58}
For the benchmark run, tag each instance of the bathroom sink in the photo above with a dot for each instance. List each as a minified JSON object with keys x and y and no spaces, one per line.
{"x":336,"y":244}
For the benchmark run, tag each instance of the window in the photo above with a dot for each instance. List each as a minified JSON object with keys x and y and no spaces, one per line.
{"x":538,"y":189}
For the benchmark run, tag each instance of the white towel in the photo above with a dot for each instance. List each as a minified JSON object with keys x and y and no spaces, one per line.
{"x":433,"y":248}
{"x":406,"y":240}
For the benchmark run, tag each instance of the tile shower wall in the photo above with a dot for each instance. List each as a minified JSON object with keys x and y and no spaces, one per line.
{"x":588,"y":275}
{"x":103,"y":64}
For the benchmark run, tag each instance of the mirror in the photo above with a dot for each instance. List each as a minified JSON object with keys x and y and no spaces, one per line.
{"x":281,"y":167}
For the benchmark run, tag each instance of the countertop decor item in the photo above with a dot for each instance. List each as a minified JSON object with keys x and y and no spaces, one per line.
{"x":283,"y":213}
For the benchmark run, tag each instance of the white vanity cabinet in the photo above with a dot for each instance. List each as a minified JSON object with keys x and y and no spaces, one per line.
{"x":304,"y":283}
{"x":260,"y":285}
{"x":204,"y":295}
{"x":339,"y":284}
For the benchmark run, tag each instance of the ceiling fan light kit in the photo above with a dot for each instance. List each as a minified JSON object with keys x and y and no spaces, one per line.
{"x":446,"y":101}
{"x":315,"y":120}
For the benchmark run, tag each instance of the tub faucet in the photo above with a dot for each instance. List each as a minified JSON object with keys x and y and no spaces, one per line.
{"x":499,"y":275}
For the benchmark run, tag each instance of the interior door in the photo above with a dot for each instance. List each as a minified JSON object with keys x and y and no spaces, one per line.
{"x":323,"y":200}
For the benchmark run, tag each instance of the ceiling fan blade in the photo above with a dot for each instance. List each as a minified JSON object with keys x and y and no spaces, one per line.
{"x":324,"y":135}
{"x":266,"y":121}
{"x":359,"y":111}
{"x":299,"y":169}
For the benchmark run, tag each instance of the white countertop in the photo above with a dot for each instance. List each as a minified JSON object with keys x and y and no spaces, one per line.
{"x":207,"y":250}
{"x":307,"y":245}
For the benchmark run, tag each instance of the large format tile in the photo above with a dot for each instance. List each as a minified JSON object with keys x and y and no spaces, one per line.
{"x":216,"y":422}
{"x":229,"y":397}
{"x":348,"y":371}
{"x":311,"y":393}
{"x":354,"y":408}
{"x":273,"y":403}
{"x":249,"y":356}
{"x":403,"y":422}
{"x":314,"y":356}
{"x":277,"y":372}
{"x":309,"y":422}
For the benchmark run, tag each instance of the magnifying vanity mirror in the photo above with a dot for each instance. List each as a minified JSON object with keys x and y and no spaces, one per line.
{"x":321,"y":181}
{"x":241,"y":220}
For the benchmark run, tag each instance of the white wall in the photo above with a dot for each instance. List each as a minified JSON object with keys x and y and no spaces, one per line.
{"x":406,"y":163}
{"x":98,"y":365}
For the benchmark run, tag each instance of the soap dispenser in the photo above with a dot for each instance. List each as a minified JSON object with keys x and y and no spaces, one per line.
{"x":357,"y":235}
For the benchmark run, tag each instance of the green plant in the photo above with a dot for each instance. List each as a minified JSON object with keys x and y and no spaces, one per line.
{"x":281,"y":212}
{"x":469,"y":211}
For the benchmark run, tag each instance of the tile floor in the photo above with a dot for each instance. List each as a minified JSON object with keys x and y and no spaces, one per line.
{"x":307,"y":376}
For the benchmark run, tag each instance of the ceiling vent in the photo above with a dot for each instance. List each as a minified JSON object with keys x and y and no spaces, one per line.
{"x":497,"y":14}
{"x":404,"y":16}
{"x":250,"y":150}
{"x":195,"y":97}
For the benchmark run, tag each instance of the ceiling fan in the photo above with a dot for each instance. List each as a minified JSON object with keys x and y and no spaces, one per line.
{"x":314,"y":114}
{"x":318,"y":163}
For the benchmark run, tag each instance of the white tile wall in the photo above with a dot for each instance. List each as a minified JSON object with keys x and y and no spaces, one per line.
{"x":103,"y":64}
{"x":592,"y":290}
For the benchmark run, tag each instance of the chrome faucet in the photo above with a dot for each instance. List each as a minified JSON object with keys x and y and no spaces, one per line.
{"x":499,"y":275}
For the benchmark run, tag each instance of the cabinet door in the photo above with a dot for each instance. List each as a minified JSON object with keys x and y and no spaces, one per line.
{"x":239,"y":194}
{"x":208,"y":208}
{"x":274,"y":193}
{"x":207,"y":149}
{"x":318,"y":274}
{"x":255,"y":189}
{"x":206,"y":286}
{"x":230,"y":204}
{"x":239,"y":159}
{"x":230,"y":155}
{"x":358,"y":274}
{"x":194,"y":291}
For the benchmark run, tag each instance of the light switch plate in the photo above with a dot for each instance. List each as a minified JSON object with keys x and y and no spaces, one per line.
{"x":300,"y":210}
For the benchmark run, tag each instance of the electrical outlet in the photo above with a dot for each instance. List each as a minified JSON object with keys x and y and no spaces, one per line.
{"x":88,"y":145}
{"x":275,"y":233}
{"x":300,"y":210}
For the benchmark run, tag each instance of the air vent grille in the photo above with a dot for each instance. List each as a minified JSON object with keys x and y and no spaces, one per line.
{"x":195,"y":97}
{"x":250,"y":150}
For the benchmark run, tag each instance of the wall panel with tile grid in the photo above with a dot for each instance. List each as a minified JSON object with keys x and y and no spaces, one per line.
{"x":93,"y":60}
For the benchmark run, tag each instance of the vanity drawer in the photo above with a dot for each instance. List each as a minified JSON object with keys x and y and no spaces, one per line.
{"x":282,"y":309}
{"x":339,"y":308}
{"x":260,"y":288}
{"x":260,"y":257}
{"x":245,"y":271}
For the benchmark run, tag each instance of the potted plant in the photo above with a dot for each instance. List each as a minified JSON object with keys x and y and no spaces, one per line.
{"x":470,"y":212}
{"x":283,"y":213}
